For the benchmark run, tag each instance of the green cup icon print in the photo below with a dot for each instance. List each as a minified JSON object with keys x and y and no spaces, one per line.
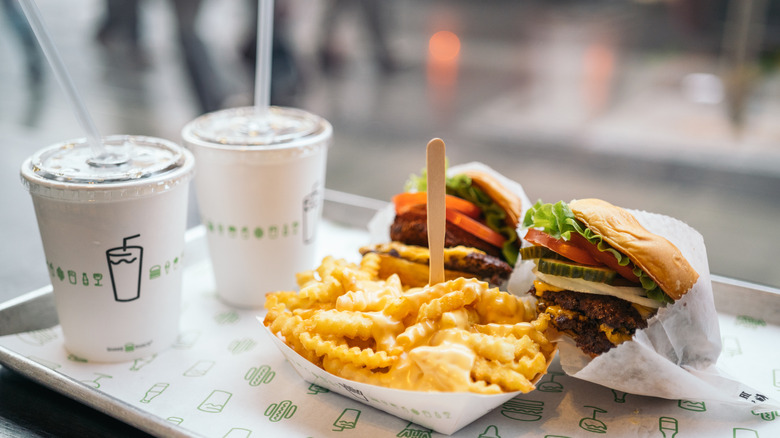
{"x":215,"y":402}
{"x":282,"y":410}
{"x":124,"y":267}
{"x":347,"y":420}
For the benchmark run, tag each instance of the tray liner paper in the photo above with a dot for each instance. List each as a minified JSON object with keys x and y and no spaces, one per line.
{"x":225,"y":376}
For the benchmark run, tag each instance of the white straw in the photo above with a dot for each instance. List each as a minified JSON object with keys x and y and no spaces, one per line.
{"x":44,"y":39}
{"x":265,"y":27}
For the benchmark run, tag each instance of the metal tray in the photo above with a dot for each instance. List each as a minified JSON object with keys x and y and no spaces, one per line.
{"x":35,"y":310}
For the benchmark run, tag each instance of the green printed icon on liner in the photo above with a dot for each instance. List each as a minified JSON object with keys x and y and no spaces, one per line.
{"x":279,"y":411}
{"x":694,"y":406}
{"x":523,"y":410}
{"x":259,"y":375}
{"x":315,"y":389}
{"x":550,"y":385}
{"x":215,"y":402}
{"x":199,"y":369}
{"x":414,"y":431}
{"x":347,"y":420}
{"x":620,"y":396}
{"x":490,"y":432}
{"x":142,"y":362}
{"x":227,"y":317}
{"x":668,"y":426}
{"x":154,"y":391}
{"x":95,"y":382}
{"x":239,"y":346}
{"x":593,"y":424}
{"x":238,"y":432}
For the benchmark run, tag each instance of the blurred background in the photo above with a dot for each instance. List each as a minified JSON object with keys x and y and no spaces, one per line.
{"x":667,"y":106}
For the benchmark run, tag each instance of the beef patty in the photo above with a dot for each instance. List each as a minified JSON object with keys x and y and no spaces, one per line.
{"x":591,"y":311}
{"x":411,"y":228}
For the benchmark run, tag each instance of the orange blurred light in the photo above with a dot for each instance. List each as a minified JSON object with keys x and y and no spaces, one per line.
{"x":444,"y":46}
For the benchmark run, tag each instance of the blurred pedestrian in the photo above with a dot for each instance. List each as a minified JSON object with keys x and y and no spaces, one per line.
{"x":377,"y":20}
{"x":121,"y":24}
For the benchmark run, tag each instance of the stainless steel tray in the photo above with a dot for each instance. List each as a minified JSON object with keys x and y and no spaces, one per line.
{"x":35,"y":310}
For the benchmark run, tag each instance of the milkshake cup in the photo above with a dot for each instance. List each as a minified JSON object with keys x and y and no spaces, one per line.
{"x":259,"y":183}
{"x":110,"y":223}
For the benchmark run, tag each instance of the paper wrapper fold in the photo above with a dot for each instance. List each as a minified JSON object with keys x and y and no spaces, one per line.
{"x":676,"y":356}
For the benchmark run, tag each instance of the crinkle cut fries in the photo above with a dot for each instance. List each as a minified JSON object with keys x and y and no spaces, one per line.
{"x":461,"y":335}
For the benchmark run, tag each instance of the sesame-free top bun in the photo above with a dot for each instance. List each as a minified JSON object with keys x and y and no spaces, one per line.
{"x":500,"y":195}
{"x":655,"y":255}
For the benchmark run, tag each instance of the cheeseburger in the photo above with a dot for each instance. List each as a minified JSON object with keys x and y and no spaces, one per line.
{"x":481,"y":231}
{"x":599,"y":273}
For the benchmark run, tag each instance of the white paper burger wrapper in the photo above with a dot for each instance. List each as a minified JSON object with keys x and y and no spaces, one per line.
{"x":444,"y":412}
{"x":675,"y":357}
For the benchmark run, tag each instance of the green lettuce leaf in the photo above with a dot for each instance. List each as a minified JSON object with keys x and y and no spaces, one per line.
{"x":559,"y":222}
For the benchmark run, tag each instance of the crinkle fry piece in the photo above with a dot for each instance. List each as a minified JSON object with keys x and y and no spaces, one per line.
{"x":350,"y":371}
{"x":529,"y":365}
{"x":408,"y":304}
{"x":371,"y":296}
{"x":288,"y":327}
{"x":450,"y":301}
{"x":286,"y":299}
{"x":491,"y":347}
{"x":415,"y":335}
{"x":332,"y":322}
{"x":370,"y":264}
{"x":494,"y":372}
{"x":534,"y":330}
{"x":325,"y":291}
{"x":495,"y":306}
{"x":341,"y":350}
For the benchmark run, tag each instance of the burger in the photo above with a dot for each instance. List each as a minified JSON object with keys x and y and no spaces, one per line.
{"x":482,"y":218}
{"x":599,"y":274}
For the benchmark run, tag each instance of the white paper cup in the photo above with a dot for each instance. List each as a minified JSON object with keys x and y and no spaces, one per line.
{"x":259,"y":190}
{"x":113,"y":237}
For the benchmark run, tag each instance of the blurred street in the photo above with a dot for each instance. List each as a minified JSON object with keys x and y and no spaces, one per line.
{"x":631,"y":102}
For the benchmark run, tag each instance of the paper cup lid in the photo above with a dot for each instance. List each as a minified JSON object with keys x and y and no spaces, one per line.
{"x":132,"y":166}
{"x":280,"y":128}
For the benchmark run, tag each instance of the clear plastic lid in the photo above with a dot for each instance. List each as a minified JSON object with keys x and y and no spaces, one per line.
{"x":131,"y":165}
{"x":279,"y":128}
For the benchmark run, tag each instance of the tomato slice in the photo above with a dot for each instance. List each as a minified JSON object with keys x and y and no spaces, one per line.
{"x":562,"y":247}
{"x":474,"y":227}
{"x":405,"y":201}
{"x":604,"y":257}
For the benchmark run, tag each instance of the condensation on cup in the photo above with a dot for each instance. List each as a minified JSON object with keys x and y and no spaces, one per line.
{"x":108,"y":227}
{"x":260,"y":184}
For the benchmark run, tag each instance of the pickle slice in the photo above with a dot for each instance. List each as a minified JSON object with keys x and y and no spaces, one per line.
{"x":572,"y":270}
{"x":537,"y":252}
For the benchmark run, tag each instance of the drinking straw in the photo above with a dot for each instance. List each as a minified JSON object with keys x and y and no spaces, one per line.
{"x":60,"y":72}
{"x":265,"y":26}
{"x":124,"y":241}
